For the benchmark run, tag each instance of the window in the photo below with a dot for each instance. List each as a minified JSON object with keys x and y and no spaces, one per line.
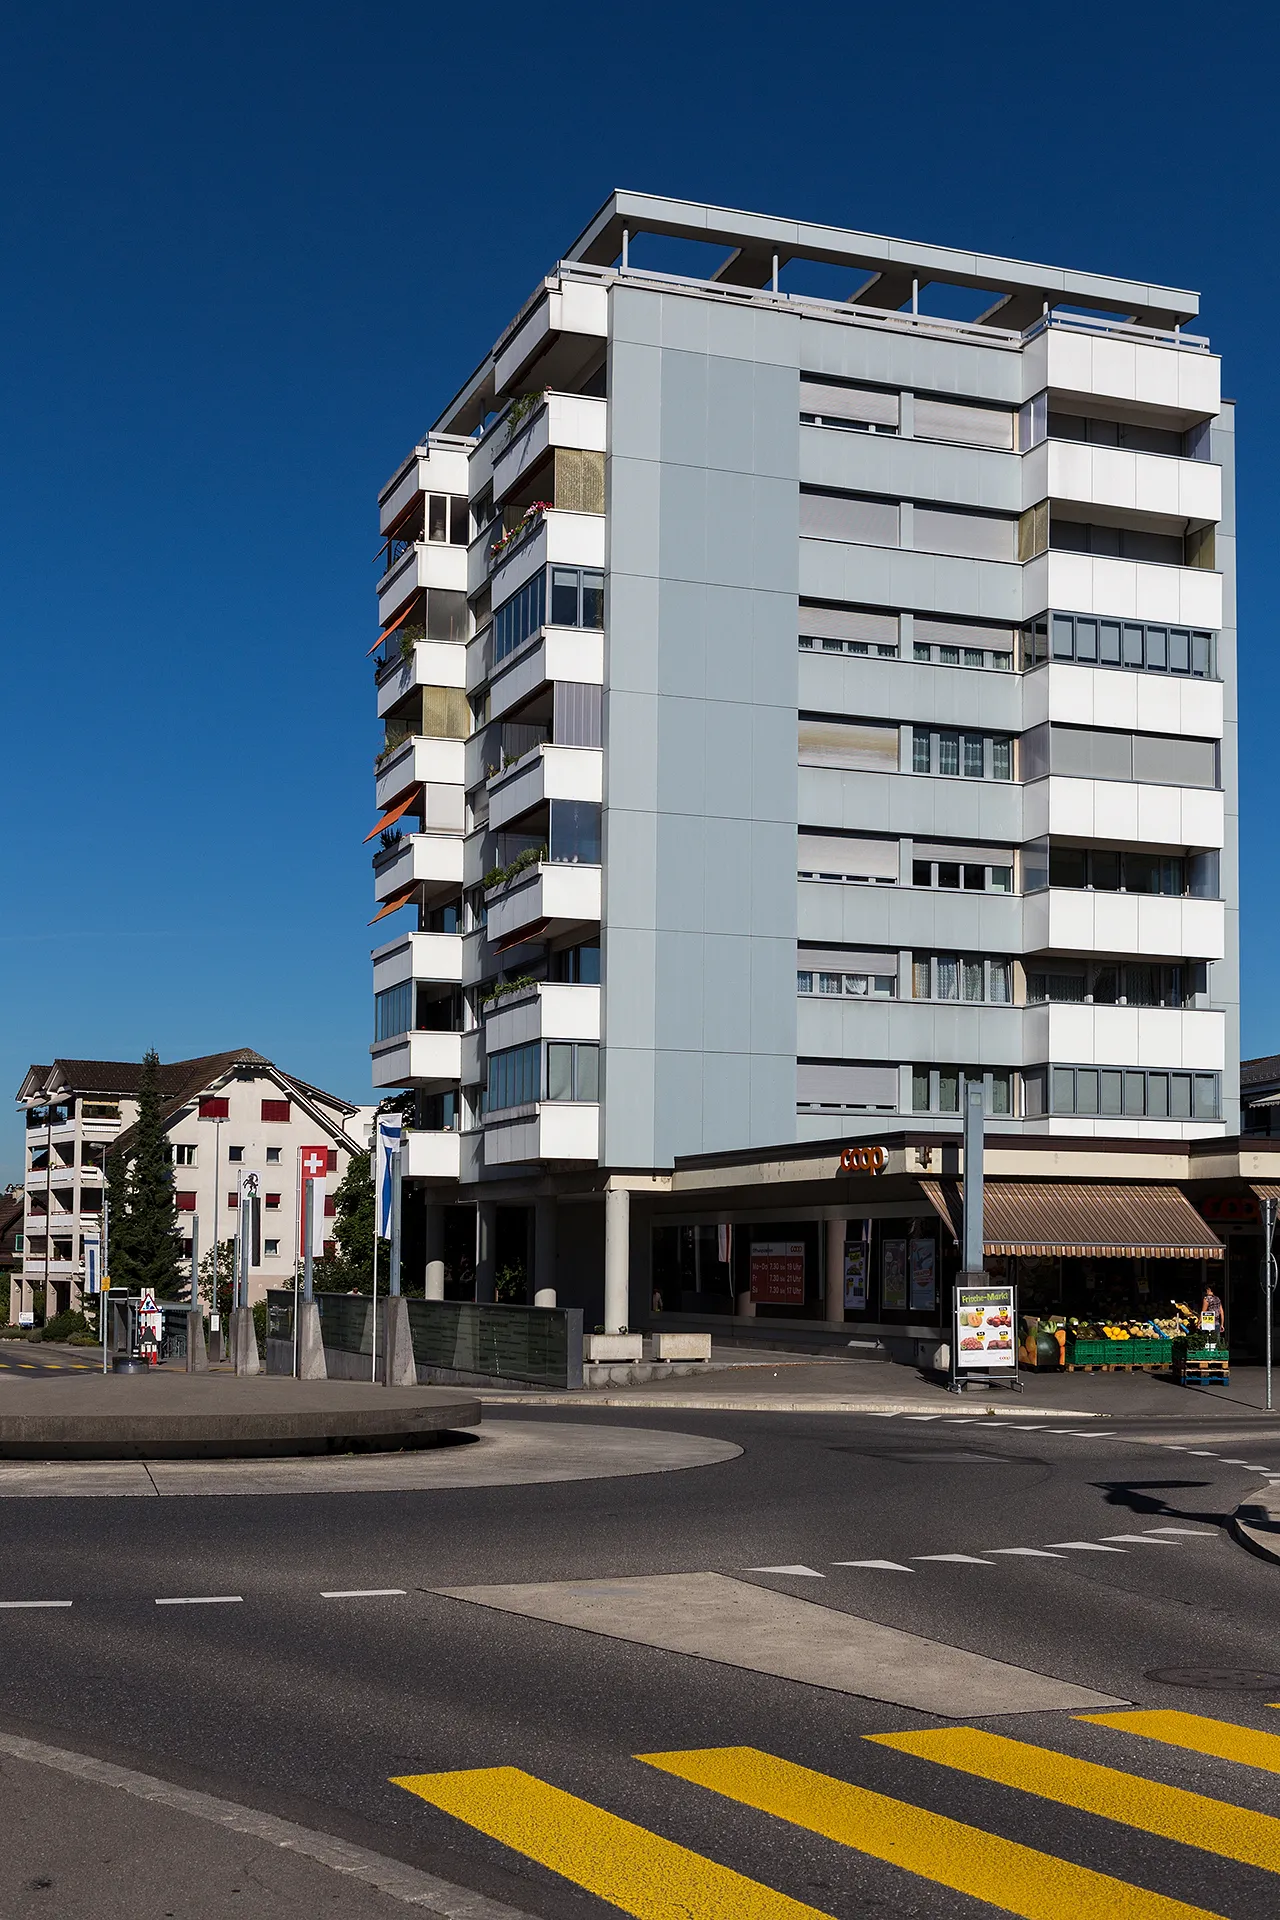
{"x":941,"y":1089}
{"x":971,"y":423}
{"x":865,"y":982}
{"x":847,"y":857}
{"x":573,"y":1071}
{"x":183,"y":1156}
{"x":513,"y":1077}
{"x":519,"y":617}
{"x":864,"y":409}
{"x":447,"y":518}
{"x":975,"y":876}
{"x":235,"y":1153}
{"x":273,"y":1202}
{"x":215,"y":1109}
{"x":94,"y":1110}
{"x":1106,"y":753}
{"x":580,"y":965}
{"x":276,"y":1111}
{"x":1109,"y":983}
{"x":331,"y":1159}
{"x":970,"y":976}
{"x":1135,"y":1093}
{"x":972,"y":756}
{"x":577,"y":597}
{"x":574,"y":832}
{"x":1116,"y":433}
{"x":846,"y":1086}
{"x":856,"y":519}
{"x":966,"y":532}
{"x":233,"y":1198}
{"x":1109,"y":870}
{"x":1122,"y":543}
{"x":1139,"y":646}
{"x":273,"y":1156}
{"x":271,"y":1248}
{"x":393,"y":1011}
{"x":184,"y":1202}
{"x":839,"y":629}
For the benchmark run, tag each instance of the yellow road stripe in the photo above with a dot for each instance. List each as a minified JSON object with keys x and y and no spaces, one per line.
{"x":1015,"y":1878}
{"x":1219,"y":1739}
{"x":1235,"y":1833}
{"x":638,"y":1871}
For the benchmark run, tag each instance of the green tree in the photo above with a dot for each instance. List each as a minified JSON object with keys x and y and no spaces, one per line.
{"x":218,"y":1299}
{"x":351,"y":1267}
{"x":144,"y":1248}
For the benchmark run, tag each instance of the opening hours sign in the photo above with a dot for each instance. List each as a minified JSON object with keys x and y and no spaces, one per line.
{"x":777,"y":1273}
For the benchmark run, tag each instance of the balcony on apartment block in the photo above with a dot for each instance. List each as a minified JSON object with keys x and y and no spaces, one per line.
{"x":432,"y":1156}
{"x":432,"y":957}
{"x":429,"y":860}
{"x":557,"y":339}
{"x":1113,"y":1036}
{"x":547,"y":772}
{"x":428,"y":1060}
{"x":418,"y":663}
{"x":543,"y":901}
{"x":1123,"y":481}
{"x":566,"y":654}
{"x":540,"y":537}
{"x":538,"y":424}
{"x":1123,"y":589}
{"x":1080,"y":921}
{"x":549,"y":1130}
{"x":423,"y":761}
{"x":542,"y":1010}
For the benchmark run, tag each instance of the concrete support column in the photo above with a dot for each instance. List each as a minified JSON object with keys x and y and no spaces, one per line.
{"x":617,"y":1259}
{"x":836,"y":1230}
{"x":486,"y":1238}
{"x":544,"y":1246}
{"x":433,"y":1222}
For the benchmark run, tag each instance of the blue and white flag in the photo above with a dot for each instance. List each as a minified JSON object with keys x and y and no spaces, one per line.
{"x":92,"y":1263}
{"x":389,"y":1130}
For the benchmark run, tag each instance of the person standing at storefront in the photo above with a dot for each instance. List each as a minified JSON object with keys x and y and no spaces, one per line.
{"x":1213,"y":1318}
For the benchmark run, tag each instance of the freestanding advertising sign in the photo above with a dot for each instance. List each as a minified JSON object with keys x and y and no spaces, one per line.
{"x":984,"y":1320}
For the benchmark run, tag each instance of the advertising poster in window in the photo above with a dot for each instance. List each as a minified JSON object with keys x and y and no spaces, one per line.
{"x":855,"y":1275}
{"x":984,"y":1321}
{"x":893,"y":1274}
{"x":924,"y":1275}
{"x":777,"y":1273}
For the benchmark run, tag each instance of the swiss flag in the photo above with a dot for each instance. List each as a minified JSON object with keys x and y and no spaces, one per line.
{"x":315,"y":1162}
{"x":315,"y":1165}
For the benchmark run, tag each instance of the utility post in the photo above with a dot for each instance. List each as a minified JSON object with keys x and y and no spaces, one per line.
{"x":197,"y":1352}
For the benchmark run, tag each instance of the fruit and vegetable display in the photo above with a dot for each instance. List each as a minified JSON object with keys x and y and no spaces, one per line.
{"x":1067,"y":1340}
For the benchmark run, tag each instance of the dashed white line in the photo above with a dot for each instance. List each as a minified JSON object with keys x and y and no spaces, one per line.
{"x":35,"y":1603}
{"x":957,"y":1559}
{"x":885,"y":1566}
{"x":1086,"y":1546}
{"x":808,"y":1573}
{"x":204,"y":1600}
{"x":1193,"y":1533}
{"x":1028,"y":1553}
{"x":1141,"y":1539}
{"x":364,"y":1593}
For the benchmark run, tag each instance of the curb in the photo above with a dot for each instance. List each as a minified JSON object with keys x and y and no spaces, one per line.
{"x":773,"y":1403}
{"x":1256,"y":1522}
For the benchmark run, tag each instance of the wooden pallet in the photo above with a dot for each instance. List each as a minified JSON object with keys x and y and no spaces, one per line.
{"x":1213,"y":1373}
{"x":1120,"y":1366}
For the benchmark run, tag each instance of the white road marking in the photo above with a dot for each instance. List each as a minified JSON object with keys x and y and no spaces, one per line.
{"x":364,"y":1593}
{"x":35,"y":1603}
{"x":957,"y":1559}
{"x":1086,"y":1546}
{"x":1201,"y":1453}
{"x":1233,"y":1463}
{"x":739,"y":1624}
{"x":885,"y":1566}
{"x":1193,"y":1533}
{"x":204,"y":1600}
{"x":922,"y":1416}
{"x":807,"y":1573}
{"x":1142,"y":1539}
{"x":1028,"y":1553}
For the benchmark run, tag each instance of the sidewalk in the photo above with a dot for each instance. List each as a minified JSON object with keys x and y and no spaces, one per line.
{"x":798,"y":1383}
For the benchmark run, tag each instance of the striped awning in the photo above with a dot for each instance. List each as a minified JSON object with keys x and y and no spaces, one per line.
{"x":1264,"y":1189}
{"x":1101,"y":1220}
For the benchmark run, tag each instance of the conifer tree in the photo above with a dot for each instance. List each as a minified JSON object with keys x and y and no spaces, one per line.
{"x":144,"y":1249}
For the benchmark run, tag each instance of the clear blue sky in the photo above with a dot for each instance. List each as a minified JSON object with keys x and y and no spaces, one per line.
{"x":250,"y":251}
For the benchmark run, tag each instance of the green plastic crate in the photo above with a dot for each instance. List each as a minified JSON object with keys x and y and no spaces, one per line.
{"x":1120,"y":1353}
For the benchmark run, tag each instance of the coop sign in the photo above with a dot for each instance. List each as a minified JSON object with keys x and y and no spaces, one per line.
{"x":863,"y":1160}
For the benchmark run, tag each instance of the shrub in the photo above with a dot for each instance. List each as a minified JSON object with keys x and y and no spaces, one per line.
{"x":63,"y":1325}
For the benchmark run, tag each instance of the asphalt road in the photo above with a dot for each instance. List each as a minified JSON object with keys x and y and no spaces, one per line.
{"x":1091,"y":1556}
{"x":32,"y":1356}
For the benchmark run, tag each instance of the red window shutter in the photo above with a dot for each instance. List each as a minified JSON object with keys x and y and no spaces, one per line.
{"x":330,"y":1206}
{"x":333,"y":1159}
{"x":276,"y":1110}
{"x":215,"y":1109}
{"x":273,"y":1200}
{"x":233,"y":1199}
{"x":330,"y":1248}
{"x":185,"y":1202}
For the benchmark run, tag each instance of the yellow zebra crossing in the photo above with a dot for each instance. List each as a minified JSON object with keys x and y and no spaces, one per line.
{"x":653,"y":1878}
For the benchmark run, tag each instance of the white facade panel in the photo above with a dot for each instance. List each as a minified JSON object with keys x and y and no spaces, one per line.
{"x":431,"y":563}
{"x":438,"y":763}
{"x":556,"y":1130}
{"x":556,"y":896}
{"x":431,"y":1156}
{"x":417,"y":1060}
{"x":417,"y":956}
{"x":563,"y":653}
{"x":1079,"y":696}
{"x":1126,"y":1037}
{"x":1114,"y":477}
{"x":547,"y":772}
{"x":1059,"y":920}
{"x":550,"y":1011}
{"x":1123,"y":811}
{"x":1123,"y":589}
{"x":1186,"y":380}
{"x":432,"y":857}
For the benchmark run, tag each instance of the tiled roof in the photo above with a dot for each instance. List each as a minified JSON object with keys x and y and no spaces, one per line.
{"x":1255,"y":1073}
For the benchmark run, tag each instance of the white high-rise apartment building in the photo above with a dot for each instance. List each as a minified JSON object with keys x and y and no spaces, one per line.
{"x":798,"y":703}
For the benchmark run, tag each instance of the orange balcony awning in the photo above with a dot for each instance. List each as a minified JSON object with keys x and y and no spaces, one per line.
{"x":534,"y":931}
{"x":391,"y":629}
{"x":394,"y":813}
{"x":1101,"y":1220}
{"x":398,"y":899}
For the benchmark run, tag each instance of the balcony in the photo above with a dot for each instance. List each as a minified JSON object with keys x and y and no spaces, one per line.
{"x":558,"y":534}
{"x":427,"y":563}
{"x":544,"y":901}
{"x":1127,"y":1036}
{"x":552,"y":1130}
{"x":1120,"y":810}
{"x":562,"y":420}
{"x":418,"y":956}
{"x":1062,"y":920}
{"x":546,"y":772}
{"x":560,"y":334}
{"x":1076,"y":695}
{"x":548,"y":1010}
{"x":439,"y":466}
{"x":424,"y":761}
{"x":430,"y":859}
{"x":559,"y":653}
{"x":432,"y":663}
{"x":1122,"y":589}
{"x":1182,"y":381}
{"x":1129,"y":482}
{"x":431,"y":1156}
{"x":429,"y":1060}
